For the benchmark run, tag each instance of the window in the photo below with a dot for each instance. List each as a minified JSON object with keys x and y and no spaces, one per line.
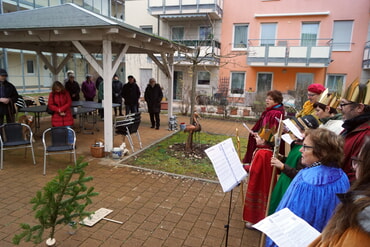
{"x":240,"y":36}
{"x":148,"y":29}
{"x":300,"y":94}
{"x":342,"y":35}
{"x":237,"y":82}
{"x":177,"y":33}
{"x":268,"y":34}
{"x":264,"y":82}
{"x":309,"y":34}
{"x":204,"y":78}
{"x":205,"y":32}
{"x":335,"y":83}
{"x":30,"y":67}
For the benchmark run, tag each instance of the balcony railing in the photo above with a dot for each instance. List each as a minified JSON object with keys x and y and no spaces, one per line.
{"x":196,"y":42}
{"x":289,"y":52}
{"x":185,"y":8}
{"x":366,"y":60}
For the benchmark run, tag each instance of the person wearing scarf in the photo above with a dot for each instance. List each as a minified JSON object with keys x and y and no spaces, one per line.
{"x":267,"y":123}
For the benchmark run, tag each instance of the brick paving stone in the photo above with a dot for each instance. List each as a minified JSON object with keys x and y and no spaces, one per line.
{"x":157,"y":209}
{"x":193,"y":241}
{"x":173,"y":242}
{"x":152,"y":241}
{"x":111,"y":242}
{"x":133,"y":242}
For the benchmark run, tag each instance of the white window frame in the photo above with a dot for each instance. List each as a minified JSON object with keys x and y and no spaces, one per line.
{"x":339,"y":90}
{"x":33,"y":66}
{"x":183,"y":34}
{"x":231,"y":83}
{"x":234,"y":48}
{"x":272,"y":40}
{"x":316,"y":34}
{"x":209,"y":35}
{"x":345,"y":42}
{"x":263,"y":73}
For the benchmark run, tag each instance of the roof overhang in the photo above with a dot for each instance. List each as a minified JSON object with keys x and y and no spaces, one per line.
{"x":37,"y":30}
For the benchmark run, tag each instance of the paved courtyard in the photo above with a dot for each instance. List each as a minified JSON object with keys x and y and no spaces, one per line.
{"x":156,"y":209}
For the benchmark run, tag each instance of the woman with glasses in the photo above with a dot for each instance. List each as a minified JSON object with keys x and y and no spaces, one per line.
{"x":350,"y":224}
{"x":313,"y":94}
{"x":312,"y":193}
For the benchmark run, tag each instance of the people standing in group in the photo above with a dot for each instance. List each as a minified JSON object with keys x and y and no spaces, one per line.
{"x":312,"y":193}
{"x":117,"y":94}
{"x":88,"y":88}
{"x":8,"y":97}
{"x":60,"y":103}
{"x":153,"y":96}
{"x":355,"y":107}
{"x":267,"y":123}
{"x":131,"y":95}
{"x":326,"y":112}
{"x":350,"y":224}
{"x":313,"y":94}
{"x":73,"y":87}
{"x":98,"y":81}
{"x":290,"y":166}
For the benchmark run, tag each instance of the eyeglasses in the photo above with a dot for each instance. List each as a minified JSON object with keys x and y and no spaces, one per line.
{"x":311,"y":94}
{"x":355,"y":161}
{"x":344,"y":104}
{"x":305,"y":147}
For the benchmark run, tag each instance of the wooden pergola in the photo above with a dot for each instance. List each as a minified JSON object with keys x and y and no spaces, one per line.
{"x":70,"y":29}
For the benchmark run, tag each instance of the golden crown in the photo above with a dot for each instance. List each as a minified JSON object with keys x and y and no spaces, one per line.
{"x":358,"y":92}
{"x":329,"y":99}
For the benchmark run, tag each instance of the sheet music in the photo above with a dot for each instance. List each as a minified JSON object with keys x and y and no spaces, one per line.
{"x":290,"y":125}
{"x":226,"y":162}
{"x":287,"y":229}
{"x":287,"y":138}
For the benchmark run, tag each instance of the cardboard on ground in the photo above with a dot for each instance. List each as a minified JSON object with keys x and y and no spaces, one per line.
{"x":96,"y":217}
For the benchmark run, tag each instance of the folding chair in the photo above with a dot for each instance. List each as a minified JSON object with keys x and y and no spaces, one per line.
{"x":15,"y":136}
{"x":55,"y":141}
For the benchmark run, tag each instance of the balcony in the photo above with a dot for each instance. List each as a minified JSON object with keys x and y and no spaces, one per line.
{"x":289,"y":53}
{"x":209,"y":51}
{"x":186,"y":9}
{"x":366,"y":59}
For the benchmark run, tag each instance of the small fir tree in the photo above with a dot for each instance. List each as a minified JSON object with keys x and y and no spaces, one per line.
{"x":62,"y":200}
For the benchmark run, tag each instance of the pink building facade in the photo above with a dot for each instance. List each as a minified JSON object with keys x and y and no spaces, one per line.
{"x":288,"y":44}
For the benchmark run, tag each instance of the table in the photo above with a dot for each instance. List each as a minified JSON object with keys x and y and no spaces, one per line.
{"x":36,"y":110}
{"x":90,"y":104}
{"x":83,"y":112}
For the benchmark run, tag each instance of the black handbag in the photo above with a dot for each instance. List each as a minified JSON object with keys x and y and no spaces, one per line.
{"x":49,"y":111}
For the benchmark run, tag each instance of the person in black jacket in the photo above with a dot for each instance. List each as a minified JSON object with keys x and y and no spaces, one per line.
{"x":117,"y":94}
{"x":8,"y":96}
{"x":131,"y":95}
{"x":73,"y":87}
{"x":153,"y":97}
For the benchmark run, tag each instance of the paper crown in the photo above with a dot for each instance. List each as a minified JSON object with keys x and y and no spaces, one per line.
{"x":358,"y":92}
{"x":329,"y":99}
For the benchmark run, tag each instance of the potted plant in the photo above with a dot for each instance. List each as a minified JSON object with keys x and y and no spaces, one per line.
{"x":233,"y":110}
{"x":246,"y":112}
{"x":61,"y":202}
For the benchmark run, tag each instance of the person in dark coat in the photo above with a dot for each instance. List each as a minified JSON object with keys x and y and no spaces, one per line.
{"x":153,"y":96}
{"x":8,"y":96}
{"x":117,"y":94}
{"x":131,"y":95}
{"x":73,"y":87}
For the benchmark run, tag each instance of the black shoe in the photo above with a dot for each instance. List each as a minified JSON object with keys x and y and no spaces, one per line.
{"x":157,"y":128}
{"x":152,"y":127}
